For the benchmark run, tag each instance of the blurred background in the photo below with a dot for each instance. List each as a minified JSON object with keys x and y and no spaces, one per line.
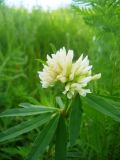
{"x":30,"y":4}
{"x":31,"y":29}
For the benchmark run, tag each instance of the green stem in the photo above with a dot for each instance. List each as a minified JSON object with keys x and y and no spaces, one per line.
{"x":69,"y":105}
{"x":68,"y":108}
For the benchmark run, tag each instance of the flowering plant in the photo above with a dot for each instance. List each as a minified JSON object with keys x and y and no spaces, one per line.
{"x":75,"y":76}
{"x":62,"y":121}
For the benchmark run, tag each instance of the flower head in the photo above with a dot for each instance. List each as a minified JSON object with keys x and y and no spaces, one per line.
{"x":74,"y":75}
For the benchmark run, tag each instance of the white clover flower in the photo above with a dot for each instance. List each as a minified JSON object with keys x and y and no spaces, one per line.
{"x":75,"y":76}
{"x":58,"y":68}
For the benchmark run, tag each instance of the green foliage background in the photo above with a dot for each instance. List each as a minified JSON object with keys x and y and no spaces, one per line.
{"x":27,"y":36}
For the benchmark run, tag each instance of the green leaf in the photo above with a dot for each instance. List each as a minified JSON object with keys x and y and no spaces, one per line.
{"x":53,"y":47}
{"x":27,"y":110}
{"x":104,"y":106}
{"x":74,"y":154}
{"x":24,"y":127}
{"x":41,"y":61}
{"x":60,"y":102}
{"x":43,"y":139}
{"x":75,"y":120}
{"x":61,"y":140}
{"x":29,"y":105}
{"x":113,"y":100}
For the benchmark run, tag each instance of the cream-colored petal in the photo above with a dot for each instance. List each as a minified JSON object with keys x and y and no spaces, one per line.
{"x":96,"y":76}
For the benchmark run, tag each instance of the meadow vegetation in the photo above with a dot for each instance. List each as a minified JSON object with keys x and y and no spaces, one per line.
{"x":26,"y":37}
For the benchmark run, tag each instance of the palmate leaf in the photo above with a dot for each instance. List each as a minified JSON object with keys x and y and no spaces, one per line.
{"x":28,"y":110}
{"x":25,"y":127}
{"x":43,"y":139}
{"x":104,"y":105}
{"x":75,"y":119}
{"x":61,"y":140}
